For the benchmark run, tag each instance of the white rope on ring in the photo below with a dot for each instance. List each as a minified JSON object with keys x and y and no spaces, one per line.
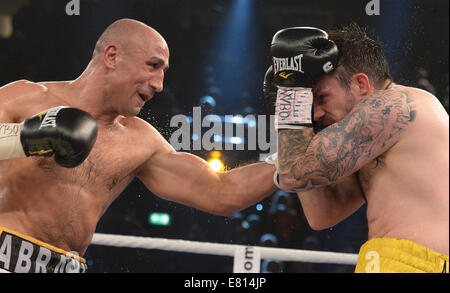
{"x":282,"y":254}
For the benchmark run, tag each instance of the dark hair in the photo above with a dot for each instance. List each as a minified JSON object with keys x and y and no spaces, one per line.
{"x":359,"y":54}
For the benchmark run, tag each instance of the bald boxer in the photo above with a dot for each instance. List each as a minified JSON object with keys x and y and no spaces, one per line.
{"x":47,"y":210}
{"x":382,"y":143}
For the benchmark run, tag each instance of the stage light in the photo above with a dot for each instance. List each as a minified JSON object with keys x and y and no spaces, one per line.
{"x":159,"y":219}
{"x":209,"y":100}
{"x":233,"y":47}
{"x":216,"y":165}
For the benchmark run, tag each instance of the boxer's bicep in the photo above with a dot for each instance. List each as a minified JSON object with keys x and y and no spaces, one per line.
{"x":5,"y":116}
{"x":373,"y":126}
{"x":10,"y":144}
{"x":11,"y":99}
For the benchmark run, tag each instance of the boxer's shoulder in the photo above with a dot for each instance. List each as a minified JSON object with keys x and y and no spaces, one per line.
{"x":141,"y":130}
{"x":136,"y":124}
{"x":418,"y":96}
{"x":426,"y":124}
{"x":19,"y":96}
{"x":428,"y":110}
{"x":22,"y":88}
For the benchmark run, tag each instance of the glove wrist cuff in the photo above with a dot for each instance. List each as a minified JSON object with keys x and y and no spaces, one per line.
{"x":293,"y":107}
{"x":276,"y":179}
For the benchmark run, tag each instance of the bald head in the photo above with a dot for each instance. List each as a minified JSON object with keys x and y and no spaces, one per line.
{"x":128,"y":34}
{"x":128,"y":66}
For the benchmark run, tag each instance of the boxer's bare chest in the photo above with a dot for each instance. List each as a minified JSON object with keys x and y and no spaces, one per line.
{"x":108,"y":169}
{"x":111,"y":164}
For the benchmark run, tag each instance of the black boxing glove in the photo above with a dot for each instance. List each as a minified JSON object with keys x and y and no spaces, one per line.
{"x":299,"y":56}
{"x":68,"y":133}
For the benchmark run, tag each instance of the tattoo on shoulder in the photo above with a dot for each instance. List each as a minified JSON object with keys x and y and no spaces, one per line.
{"x":368,"y":131}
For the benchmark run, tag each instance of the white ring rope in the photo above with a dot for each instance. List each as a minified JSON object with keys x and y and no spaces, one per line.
{"x":282,"y":254}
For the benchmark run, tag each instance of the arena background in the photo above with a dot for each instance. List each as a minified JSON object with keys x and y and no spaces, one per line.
{"x":219,"y":54}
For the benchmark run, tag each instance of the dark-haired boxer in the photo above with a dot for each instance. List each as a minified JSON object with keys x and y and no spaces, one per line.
{"x":382,"y":143}
{"x":48,"y":210}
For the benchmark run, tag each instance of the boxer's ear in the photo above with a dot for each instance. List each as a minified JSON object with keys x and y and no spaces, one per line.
{"x":361,"y":83}
{"x":110,"y":56}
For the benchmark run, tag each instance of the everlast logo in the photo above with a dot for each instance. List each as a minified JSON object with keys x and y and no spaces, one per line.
{"x":50,"y":118}
{"x":21,"y":256}
{"x":290,"y":63}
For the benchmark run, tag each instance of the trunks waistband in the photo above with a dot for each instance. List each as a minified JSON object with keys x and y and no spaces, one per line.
{"x":23,"y":254}
{"x":390,"y":255}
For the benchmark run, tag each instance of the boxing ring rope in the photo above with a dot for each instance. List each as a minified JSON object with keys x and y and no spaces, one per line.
{"x":282,"y":254}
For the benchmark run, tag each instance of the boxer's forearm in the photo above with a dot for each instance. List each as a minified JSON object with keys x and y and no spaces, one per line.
{"x":292,"y":145}
{"x":307,"y":161}
{"x":189,"y":180}
{"x":247,"y":185}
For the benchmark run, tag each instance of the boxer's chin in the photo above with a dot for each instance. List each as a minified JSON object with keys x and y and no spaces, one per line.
{"x":132,"y":111}
{"x":136,"y":112}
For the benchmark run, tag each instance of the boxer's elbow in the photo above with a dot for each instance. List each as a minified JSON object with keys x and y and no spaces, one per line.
{"x":225,"y":208}
{"x":290,"y":184}
{"x":286,"y":181}
{"x":225,"y":196}
{"x":228,"y":212}
{"x":306,"y":183}
{"x":219,"y":202}
{"x":317,"y":224}
{"x":321,"y":218}
{"x":232,"y":202}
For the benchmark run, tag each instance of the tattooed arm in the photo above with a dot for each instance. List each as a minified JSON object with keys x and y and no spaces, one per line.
{"x":323,"y":206}
{"x":373,"y":126}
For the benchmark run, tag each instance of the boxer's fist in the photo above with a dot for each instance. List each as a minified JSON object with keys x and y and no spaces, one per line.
{"x":301,"y":54}
{"x":66,"y":132}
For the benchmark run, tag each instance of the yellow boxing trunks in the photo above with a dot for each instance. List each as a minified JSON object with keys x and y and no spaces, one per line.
{"x":23,"y":254}
{"x":390,"y":255}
